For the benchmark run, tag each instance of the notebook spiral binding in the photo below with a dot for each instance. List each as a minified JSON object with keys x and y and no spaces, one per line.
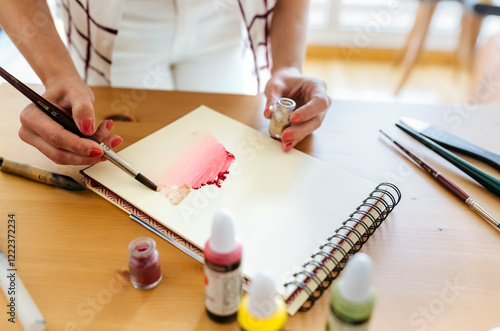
{"x":373,"y":210}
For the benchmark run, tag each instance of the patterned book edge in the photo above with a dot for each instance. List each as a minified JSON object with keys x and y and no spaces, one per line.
{"x":145,"y":220}
{"x":325,"y":264}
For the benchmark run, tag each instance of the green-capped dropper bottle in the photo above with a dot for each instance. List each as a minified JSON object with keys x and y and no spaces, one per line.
{"x":352,"y":296}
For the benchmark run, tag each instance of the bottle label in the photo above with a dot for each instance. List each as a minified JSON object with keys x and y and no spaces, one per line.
{"x":223,"y":288}
{"x":337,"y":324}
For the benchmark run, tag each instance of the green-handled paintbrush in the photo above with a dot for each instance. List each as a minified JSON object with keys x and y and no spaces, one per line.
{"x":491,"y":183}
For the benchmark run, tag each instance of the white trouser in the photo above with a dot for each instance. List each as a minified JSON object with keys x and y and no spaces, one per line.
{"x":182,"y":44}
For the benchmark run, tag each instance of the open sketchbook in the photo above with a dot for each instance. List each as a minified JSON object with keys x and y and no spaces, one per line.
{"x":287,"y":205}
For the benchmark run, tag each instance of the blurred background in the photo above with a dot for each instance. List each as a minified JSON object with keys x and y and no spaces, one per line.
{"x":429,"y":51}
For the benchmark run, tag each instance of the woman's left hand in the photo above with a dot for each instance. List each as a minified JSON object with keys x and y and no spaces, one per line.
{"x":310,"y":96}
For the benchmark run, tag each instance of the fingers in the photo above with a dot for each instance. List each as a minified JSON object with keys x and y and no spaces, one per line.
{"x":60,"y":145}
{"x":83,"y":114}
{"x":311,"y":93}
{"x":297,"y":132}
{"x":53,"y":133}
{"x":274,"y":90}
{"x":58,"y":155}
{"x":287,"y":139}
{"x":113,"y":141}
{"x":268,"y":112}
{"x":77,"y":99}
{"x":102,"y":134}
{"x":104,"y":129}
{"x":318,"y":103}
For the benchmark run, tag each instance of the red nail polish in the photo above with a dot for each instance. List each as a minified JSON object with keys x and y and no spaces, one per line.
{"x":116,"y":142}
{"x":267,"y":111}
{"x":109,"y":124}
{"x":288,"y":147}
{"x":288,"y":136}
{"x":95,"y":152}
{"x":296,"y":118}
{"x":87,"y":127}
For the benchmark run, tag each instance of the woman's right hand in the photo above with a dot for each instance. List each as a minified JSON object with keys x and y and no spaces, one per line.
{"x":57,"y":143}
{"x":40,"y":44}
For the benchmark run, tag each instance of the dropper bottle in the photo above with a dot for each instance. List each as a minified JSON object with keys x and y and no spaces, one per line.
{"x":223,"y":274}
{"x":352,"y":296}
{"x":262,"y":309}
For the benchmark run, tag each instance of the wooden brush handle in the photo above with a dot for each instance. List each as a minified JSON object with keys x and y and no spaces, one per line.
{"x":40,"y":175}
{"x":450,"y":186}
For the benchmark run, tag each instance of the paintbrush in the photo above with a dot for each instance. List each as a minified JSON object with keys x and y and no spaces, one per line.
{"x":67,"y":122}
{"x":39,"y":175}
{"x":491,"y":183}
{"x":449,"y":185}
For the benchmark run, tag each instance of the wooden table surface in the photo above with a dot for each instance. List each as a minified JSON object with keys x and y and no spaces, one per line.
{"x":436,"y":263}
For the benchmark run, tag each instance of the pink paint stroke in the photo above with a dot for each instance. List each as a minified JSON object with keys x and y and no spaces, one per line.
{"x":204,"y":161}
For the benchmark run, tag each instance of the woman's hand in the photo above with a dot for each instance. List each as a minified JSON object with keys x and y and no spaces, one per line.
{"x":310,"y":96}
{"x":42,"y":47}
{"x":57,"y":143}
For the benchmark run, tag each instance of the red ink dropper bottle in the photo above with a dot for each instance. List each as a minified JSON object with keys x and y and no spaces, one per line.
{"x":144,"y":263}
{"x":223,"y":275}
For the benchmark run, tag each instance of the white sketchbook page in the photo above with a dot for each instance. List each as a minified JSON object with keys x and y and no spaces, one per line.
{"x":285,"y":204}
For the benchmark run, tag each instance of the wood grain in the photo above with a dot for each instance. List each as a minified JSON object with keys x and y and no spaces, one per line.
{"x":436,"y":261}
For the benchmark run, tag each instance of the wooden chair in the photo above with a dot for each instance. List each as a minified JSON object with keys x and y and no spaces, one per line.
{"x":410,"y":52}
{"x":485,"y":78}
{"x":470,"y":27}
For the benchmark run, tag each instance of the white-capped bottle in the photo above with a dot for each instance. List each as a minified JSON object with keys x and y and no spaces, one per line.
{"x":262,"y":308}
{"x":223,"y":275}
{"x":352,"y":296}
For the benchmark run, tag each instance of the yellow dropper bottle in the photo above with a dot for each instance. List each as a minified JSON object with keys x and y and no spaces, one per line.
{"x":262,"y":309}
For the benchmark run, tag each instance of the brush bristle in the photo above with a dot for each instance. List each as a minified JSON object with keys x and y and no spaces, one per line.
{"x":142,"y":179}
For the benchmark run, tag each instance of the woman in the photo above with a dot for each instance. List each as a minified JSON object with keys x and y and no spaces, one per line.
{"x":189,"y":44}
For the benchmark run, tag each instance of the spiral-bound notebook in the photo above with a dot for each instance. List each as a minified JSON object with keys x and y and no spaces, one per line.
{"x":299,"y":218}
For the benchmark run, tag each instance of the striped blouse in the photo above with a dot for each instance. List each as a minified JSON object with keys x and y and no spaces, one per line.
{"x":92,"y":26}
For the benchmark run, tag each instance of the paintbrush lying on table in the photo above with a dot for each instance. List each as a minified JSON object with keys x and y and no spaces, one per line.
{"x":491,"y":183}
{"x":39,"y":175}
{"x":449,"y":185}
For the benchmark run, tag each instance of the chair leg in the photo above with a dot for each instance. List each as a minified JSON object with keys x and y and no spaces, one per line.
{"x":485,"y":78}
{"x":462,"y":39}
{"x":471,"y":26}
{"x":416,"y":27}
{"x":414,"y":49}
{"x":477,"y":20}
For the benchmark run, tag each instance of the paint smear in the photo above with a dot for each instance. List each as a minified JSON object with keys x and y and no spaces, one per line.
{"x":201,"y":160}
